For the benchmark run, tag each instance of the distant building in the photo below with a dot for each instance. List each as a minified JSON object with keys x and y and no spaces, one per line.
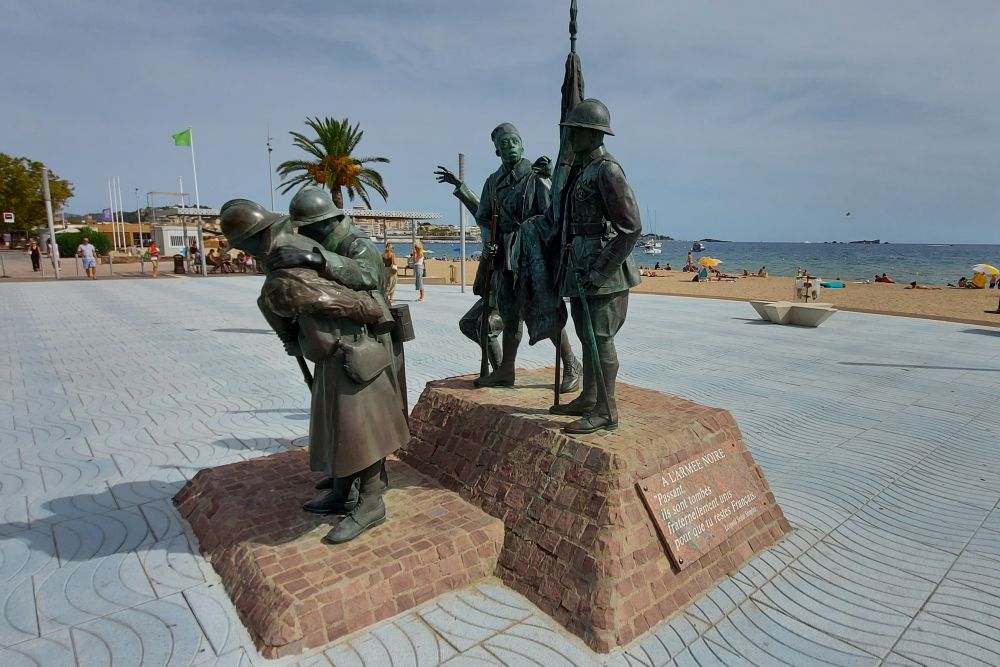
{"x":374,"y":222}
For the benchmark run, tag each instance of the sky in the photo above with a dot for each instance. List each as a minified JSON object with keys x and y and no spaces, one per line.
{"x":762,"y":121}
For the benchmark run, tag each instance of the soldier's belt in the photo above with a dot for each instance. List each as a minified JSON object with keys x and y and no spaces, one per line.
{"x":588,"y":229}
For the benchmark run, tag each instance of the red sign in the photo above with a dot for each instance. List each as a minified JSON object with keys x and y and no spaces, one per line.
{"x":8,"y":217}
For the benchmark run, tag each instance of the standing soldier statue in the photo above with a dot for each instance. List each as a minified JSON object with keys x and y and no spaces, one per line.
{"x":600,"y":226}
{"x":513,"y":193}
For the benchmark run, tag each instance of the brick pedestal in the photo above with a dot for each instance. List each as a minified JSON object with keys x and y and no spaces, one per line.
{"x":579,"y":542}
{"x":292,"y":591}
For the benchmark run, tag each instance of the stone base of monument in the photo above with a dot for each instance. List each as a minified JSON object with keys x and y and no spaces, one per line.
{"x":608,"y":533}
{"x":292,"y":591}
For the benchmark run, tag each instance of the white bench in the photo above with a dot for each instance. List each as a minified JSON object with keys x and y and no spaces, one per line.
{"x":787,"y":312}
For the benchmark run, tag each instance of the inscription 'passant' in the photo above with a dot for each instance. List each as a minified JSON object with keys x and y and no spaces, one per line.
{"x":697,"y":503}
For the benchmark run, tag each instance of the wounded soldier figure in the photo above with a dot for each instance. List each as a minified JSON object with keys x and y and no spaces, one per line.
{"x":324,"y":296}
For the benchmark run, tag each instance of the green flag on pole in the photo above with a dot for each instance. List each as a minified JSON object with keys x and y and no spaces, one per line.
{"x":183,"y":138}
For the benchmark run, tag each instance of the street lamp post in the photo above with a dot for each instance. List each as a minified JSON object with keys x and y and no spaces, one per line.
{"x":52,"y":228}
{"x":270,"y":180}
{"x":461,"y":222}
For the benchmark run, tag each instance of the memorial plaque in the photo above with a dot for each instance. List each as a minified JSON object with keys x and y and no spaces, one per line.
{"x":699,"y":502}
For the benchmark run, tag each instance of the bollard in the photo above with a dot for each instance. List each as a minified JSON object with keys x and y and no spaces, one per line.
{"x":142,"y":265}
{"x":76,"y":263}
{"x":111,"y":265}
{"x":3,"y":268}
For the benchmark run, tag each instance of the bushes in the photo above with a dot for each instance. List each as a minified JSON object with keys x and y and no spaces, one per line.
{"x":69,"y":241}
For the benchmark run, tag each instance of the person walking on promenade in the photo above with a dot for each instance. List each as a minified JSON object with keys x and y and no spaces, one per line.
{"x":154,"y":257}
{"x":88,"y":252}
{"x":418,"y":267}
{"x":389,"y":261}
{"x":36,"y":256}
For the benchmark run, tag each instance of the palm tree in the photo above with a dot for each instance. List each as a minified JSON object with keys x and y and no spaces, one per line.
{"x":333,"y":167}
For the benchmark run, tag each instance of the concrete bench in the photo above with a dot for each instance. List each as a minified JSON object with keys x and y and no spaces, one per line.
{"x":788,"y":312}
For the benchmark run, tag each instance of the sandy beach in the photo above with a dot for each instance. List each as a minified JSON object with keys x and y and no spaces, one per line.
{"x":958,"y":305}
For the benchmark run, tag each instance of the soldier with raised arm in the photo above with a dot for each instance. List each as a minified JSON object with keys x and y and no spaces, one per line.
{"x":513,"y":193}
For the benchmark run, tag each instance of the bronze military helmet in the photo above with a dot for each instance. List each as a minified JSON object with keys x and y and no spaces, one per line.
{"x":591,"y":114}
{"x":312,"y":204}
{"x":242,"y":218}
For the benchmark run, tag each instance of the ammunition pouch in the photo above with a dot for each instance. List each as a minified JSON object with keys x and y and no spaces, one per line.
{"x":364,"y":358}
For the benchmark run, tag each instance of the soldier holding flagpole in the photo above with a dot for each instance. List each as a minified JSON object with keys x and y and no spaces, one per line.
{"x":598,"y":224}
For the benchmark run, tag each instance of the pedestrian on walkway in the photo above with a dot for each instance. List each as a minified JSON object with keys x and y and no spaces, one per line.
{"x":88,"y":252}
{"x":36,"y":256}
{"x":154,"y":257}
{"x":418,"y":267}
{"x":389,"y":263}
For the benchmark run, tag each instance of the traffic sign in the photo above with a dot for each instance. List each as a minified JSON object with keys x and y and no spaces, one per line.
{"x":8,"y":217}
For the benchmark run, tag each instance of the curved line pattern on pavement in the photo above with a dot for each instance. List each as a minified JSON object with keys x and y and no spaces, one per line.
{"x":879,"y":437}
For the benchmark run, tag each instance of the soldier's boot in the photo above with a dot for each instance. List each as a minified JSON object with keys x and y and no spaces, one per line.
{"x":504,"y":375}
{"x":571,"y":368}
{"x":325,"y":483}
{"x":603,"y":415}
{"x":340,"y":499}
{"x":369,"y":512}
{"x":585,"y":402}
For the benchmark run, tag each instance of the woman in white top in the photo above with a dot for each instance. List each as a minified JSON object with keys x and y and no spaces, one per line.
{"x":418,"y":267}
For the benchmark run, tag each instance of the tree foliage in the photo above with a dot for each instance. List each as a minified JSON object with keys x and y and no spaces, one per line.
{"x":21,"y":192}
{"x":333,"y":164}
{"x":68,"y":241}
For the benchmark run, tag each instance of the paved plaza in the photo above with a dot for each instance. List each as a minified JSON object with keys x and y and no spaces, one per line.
{"x":879,"y":436}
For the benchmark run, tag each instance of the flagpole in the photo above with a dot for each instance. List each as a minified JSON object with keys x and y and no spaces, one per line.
{"x":114,"y":229}
{"x":194,"y":170}
{"x":197,"y":203}
{"x":121,"y":213}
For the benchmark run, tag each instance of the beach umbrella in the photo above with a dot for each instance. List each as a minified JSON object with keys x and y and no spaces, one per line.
{"x":709,"y":261}
{"x":987,"y":269}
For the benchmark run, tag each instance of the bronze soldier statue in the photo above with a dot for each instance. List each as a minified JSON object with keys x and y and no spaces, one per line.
{"x":356,"y":414}
{"x":513,"y":193}
{"x":599,"y":230}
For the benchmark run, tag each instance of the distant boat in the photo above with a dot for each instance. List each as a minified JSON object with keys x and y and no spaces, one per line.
{"x":697,"y":246}
{"x":651,"y":247}
{"x":874,"y":242}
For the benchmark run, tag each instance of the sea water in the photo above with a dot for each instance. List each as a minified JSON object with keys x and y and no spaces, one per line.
{"x":903,"y":262}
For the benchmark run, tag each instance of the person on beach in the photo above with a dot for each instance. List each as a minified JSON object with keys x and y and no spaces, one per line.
{"x":36,"y":256}
{"x":884,"y":279}
{"x":88,"y":252}
{"x":914,"y":285}
{"x":762,"y":273}
{"x":154,"y":257}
